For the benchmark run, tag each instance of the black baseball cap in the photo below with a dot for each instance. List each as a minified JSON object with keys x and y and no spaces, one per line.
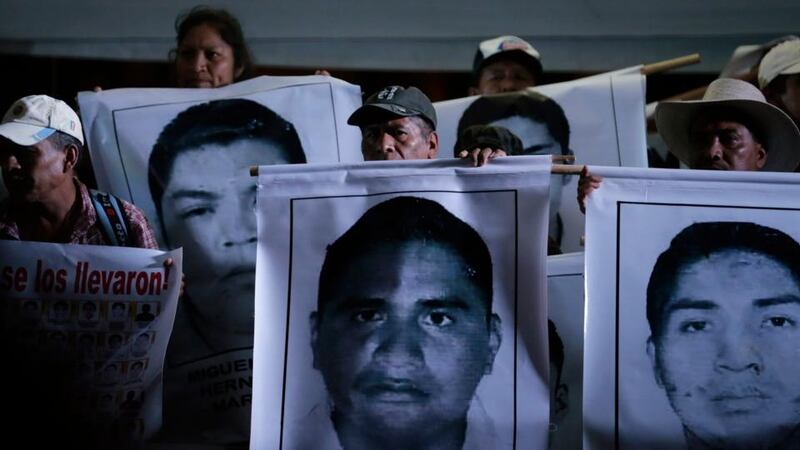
{"x":393,"y":102}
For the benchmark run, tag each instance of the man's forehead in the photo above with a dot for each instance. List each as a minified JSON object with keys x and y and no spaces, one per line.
{"x":392,"y":123}
{"x":502,"y":63}
{"x":713,"y":123}
{"x":386,"y":265}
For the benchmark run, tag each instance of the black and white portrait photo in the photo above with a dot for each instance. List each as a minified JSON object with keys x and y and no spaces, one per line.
{"x":707,"y":306}
{"x":183,"y":156}
{"x":402,"y":326}
{"x":598,"y":119}
{"x":204,"y":200}
{"x":539,"y":122}
{"x":404,"y":329}
{"x":723,"y":305}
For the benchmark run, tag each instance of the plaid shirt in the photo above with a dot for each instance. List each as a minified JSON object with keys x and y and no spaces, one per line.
{"x":83,"y":226}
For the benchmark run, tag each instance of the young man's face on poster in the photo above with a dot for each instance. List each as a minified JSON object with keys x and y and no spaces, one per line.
{"x":727,"y":355}
{"x":208,"y":210}
{"x":404,"y":340}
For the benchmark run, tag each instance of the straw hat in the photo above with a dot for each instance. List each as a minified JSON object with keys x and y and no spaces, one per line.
{"x":783,"y":59}
{"x":781,"y":136}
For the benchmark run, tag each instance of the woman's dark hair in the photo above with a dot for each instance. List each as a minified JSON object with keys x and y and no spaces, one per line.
{"x":229,"y":30}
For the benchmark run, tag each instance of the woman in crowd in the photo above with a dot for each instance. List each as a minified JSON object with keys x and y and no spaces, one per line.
{"x":211,"y":51}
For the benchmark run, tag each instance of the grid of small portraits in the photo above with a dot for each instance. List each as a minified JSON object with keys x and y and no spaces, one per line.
{"x":105,"y":342}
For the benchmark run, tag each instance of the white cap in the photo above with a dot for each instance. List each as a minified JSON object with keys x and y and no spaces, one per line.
{"x":507,"y":45}
{"x":783,"y":59}
{"x":34,"y":118}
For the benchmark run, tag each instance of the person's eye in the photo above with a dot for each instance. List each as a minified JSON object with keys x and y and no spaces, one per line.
{"x":495,"y":76}
{"x":695,"y":326}
{"x":185,"y":53}
{"x":369,"y":133}
{"x":197,"y":211}
{"x":778,"y":322}
{"x":213,"y":55}
{"x":437,"y":319}
{"x":368,"y":315}
{"x":729,"y":140}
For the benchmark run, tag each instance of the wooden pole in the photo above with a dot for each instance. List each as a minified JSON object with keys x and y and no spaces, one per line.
{"x":563,"y":169}
{"x":567,"y":169}
{"x":662,"y":66}
{"x":563,"y":158}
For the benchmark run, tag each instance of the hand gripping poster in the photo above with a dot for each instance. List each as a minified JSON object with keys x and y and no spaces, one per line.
{"x":84,"y":333}
{"x":402,"y":305}
{"x":693,"y":310}
{"x":182,"y":155}
{"x":599,"y":119}
{"x":565,"y":338}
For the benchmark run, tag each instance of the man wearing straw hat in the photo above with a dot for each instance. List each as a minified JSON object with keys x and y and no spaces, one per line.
{"x":779,"y":78}
{"x":731,"y":128}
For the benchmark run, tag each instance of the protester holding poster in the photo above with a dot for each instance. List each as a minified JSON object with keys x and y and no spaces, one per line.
{"x":731,"y":128}
{"x":401,"y":323}
{"x":400,"y":123}
{"x":505,"y":64}
{"x":41,"y":143}
{"x":212,"y":51}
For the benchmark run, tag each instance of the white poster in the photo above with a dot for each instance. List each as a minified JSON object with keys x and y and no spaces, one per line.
{"x":102,"y":314}
{"x":404,"y":303}
{"x":693,"y":294}
{"x":599,"y":119}
{"x":182,"y":155}
{"x":565,"y":334}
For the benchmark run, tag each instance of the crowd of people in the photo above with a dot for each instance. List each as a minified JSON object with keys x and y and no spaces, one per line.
{"x":735,"y":126}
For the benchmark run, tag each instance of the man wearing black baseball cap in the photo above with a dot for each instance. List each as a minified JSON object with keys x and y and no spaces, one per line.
{"x":400,"y":123}
{"x":505,"y":64}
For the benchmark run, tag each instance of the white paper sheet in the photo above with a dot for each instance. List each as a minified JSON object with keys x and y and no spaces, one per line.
{"x":301,"y":212}
{"x":718,"y":372}
{"x":107,"y":312}
{"x":606,"y":127}
{"x":565,"y":310}
{"x":207,"y":208}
